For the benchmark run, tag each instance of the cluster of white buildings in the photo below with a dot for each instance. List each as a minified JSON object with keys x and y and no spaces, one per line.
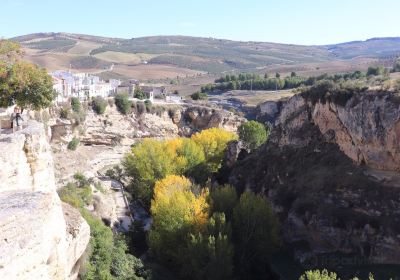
{"x":81,"y":85}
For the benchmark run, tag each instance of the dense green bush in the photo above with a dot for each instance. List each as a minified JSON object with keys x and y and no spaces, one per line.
{"x":75,"y":104}
{"x":124,"y":105}
{"x":375,"y":71}
{"x":253,"y":134}
{"x":76,"y":196}
{"x":224,"y":199}
{"x":73,"y":144}
{"x":199,"y":96}
{"x":99,"y":105}
{"x":64,"y":113}
{"x":138,"y":93}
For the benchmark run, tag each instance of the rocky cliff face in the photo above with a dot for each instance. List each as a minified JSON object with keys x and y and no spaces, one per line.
{"x":313,"y":172}
{"x":366,"y":126}
{"x":40,"y":238}
{"x":112,"y":128}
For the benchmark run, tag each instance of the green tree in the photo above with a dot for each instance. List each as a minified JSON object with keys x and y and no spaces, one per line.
{"x":224,"y":199}
{"x":148,"y":162}
{"x":199,"y":96}
{"x":214,"y":142}
{"x":124,"y":266}
{"x":195,"y":166}
{"x":209,"y":255}
{"x":375,"y":71}
{"x":138,"y":93}
{"x":76,"y":104}
{"x":277,"y":75}
{"x":176,"y":211}
{"x":293,"y":74}
{"x":25,"y":85}
{"x":124,"y":105}
{"x":253,"y":134}
{"x":99,"y":105}
{"x":255,"y":232}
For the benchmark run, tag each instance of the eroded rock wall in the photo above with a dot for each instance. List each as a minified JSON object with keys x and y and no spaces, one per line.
{"x":314,"y":171}
{"x":166,"y":121}
{"x":39,"y":239}
{"x":366,"y":127}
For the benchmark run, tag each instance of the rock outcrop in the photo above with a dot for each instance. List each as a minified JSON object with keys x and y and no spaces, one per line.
{"x":313,"y":170}
{"x":165,"y":121}
{"x":366,"y":126}
{"x":39,"y":237}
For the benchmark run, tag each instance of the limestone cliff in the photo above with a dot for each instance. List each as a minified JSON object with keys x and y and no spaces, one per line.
{"x":365,"y":125}
{"x":314,"y":172}
{"x":39,"y":237}
{"x":162,"y":121}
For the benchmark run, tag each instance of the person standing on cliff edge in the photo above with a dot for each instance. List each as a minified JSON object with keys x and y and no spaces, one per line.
{"x":17,"y":117}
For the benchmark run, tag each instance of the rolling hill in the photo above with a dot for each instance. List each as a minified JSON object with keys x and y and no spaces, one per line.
{"x":170,"y":56}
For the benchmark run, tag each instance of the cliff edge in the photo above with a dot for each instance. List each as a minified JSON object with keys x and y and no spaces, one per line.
{"x":40,"y":238}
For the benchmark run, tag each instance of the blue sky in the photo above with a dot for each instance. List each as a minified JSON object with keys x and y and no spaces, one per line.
{"x":287,"y":21}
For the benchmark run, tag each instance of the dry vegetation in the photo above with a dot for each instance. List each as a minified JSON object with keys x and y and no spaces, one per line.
{"x":153,"y":71}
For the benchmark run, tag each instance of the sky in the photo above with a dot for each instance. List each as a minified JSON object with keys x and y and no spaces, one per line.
{"x":308,"y":22}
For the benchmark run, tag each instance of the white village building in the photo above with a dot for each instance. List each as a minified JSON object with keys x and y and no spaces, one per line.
{"x":81,"y":85}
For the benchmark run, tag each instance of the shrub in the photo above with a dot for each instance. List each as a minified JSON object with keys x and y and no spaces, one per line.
{"x":319,"y":275}
{"x":138,"y":93}
{"x":64,"y":113}
{"x":99,"y":105}
{"x":81,"y":180}
{"x":124,"y":105}
{"x":375,"y":71}
{"x":76,"y":196}
{"x":75,"y":104}
{"x":253,"y":134}
{"x":199,"y":96}
{"x":115,"y":173}
{"x":73,"y":144}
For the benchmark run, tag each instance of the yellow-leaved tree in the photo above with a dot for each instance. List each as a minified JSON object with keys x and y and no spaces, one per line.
{"x":176,"y":212}
{"x":214,"y":142}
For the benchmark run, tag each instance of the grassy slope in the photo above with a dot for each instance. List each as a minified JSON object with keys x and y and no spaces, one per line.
{"x":202,"y":54}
